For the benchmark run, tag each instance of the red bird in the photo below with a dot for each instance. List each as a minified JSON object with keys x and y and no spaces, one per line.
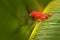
{"x":40,"y":15}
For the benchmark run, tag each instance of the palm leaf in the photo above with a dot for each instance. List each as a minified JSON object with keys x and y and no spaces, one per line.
{"x":50,"y":28}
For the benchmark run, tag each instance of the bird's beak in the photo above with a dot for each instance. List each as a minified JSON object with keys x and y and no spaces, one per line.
{"x":30,"y":15}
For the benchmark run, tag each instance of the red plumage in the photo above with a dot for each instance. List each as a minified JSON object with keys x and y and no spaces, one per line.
{"x":39,"y":15}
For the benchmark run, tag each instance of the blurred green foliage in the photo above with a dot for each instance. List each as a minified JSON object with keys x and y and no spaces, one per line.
{"x":15,"y":22}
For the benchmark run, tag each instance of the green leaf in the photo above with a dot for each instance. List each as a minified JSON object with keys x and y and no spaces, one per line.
{"x":50,"y":28}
